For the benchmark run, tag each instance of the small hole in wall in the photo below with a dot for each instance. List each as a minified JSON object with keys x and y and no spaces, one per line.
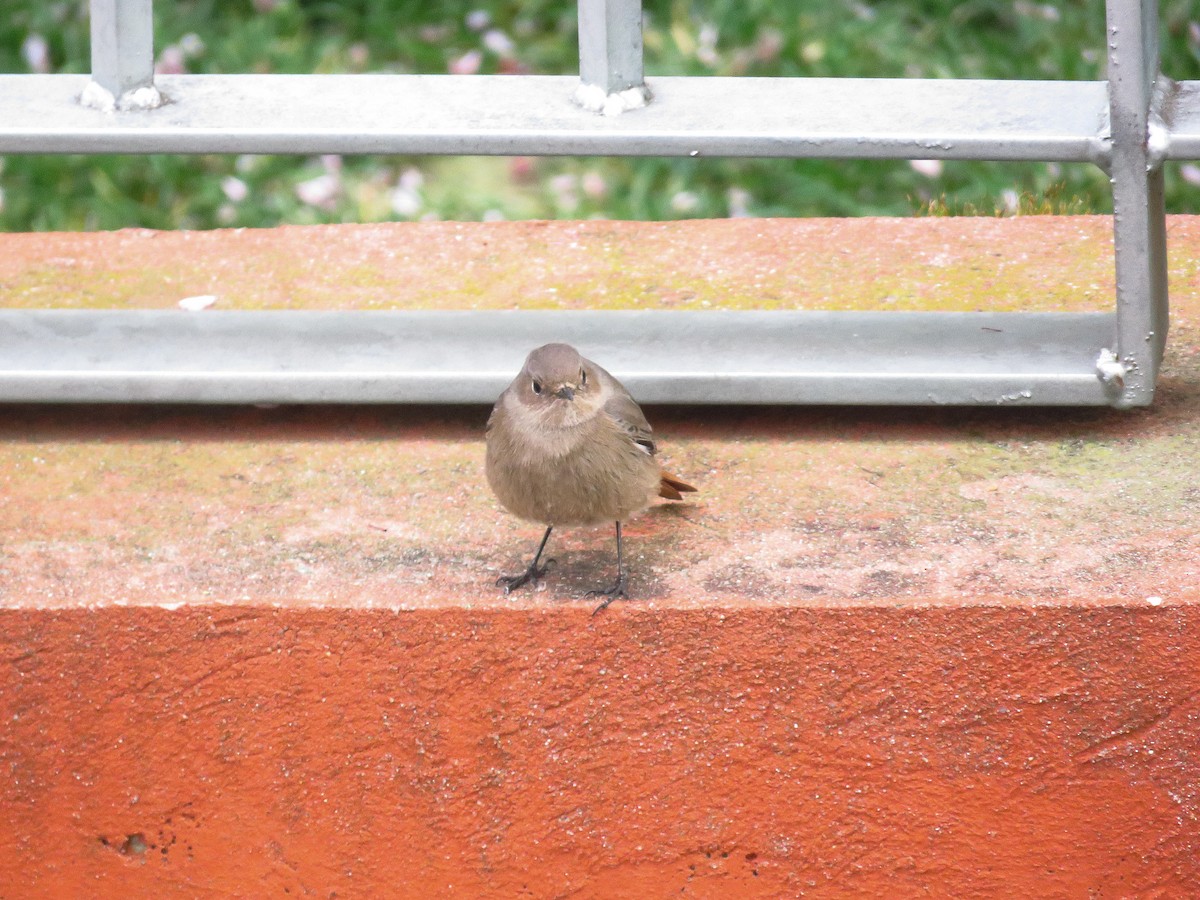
{"x":134,"y":845}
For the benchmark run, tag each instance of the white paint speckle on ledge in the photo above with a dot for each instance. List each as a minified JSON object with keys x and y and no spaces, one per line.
{"x":198,"y":303}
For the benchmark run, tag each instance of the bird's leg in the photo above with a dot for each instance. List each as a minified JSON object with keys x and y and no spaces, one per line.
{"x":617,"y":591}
{"x":511,"y":582}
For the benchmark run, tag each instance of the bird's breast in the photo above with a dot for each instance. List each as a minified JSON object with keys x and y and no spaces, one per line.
{"x":586,"y":474}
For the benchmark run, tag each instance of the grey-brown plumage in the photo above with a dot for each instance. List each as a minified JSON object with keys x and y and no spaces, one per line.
{"x":567,"y":445}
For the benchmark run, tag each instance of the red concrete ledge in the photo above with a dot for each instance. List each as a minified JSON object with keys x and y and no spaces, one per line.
{"x":389,"y":507}
{"x":882,"y":653}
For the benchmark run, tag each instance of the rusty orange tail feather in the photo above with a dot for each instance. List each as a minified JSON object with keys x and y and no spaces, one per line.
{"x":670,"y":487}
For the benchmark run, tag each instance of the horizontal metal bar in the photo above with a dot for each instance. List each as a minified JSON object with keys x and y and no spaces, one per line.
{"x":1181,"y":120}
{"x":804,"y":357}
{"x":534,"y":115}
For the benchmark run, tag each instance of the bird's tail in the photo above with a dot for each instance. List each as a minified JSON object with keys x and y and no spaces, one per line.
{"x":670,"y":487}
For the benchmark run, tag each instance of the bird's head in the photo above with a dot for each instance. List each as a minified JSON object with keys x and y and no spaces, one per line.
{"x":559,"y":386}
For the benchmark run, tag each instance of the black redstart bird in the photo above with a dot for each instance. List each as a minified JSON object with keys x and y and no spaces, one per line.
{"x":567,"y":445}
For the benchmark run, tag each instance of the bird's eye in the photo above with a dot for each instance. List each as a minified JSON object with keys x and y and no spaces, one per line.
{"x":582,"y":378}
{"x":537,"y":387}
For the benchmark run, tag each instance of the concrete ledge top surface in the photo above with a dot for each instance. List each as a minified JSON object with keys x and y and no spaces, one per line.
{"x":387,"y":507}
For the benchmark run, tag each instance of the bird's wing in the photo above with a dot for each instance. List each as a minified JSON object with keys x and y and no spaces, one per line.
{"x":500,"y":410}
{"x":494,"y":416}
{"x":623,"y":410}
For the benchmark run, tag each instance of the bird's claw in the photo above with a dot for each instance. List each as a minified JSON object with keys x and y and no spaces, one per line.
{"x":616,"y":592}
{"x":533,"y":573}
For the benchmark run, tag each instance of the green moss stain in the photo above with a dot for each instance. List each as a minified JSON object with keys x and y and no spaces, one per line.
{"x":888,"y":264}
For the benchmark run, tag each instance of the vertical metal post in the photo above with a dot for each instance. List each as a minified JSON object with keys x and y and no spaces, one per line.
{"x":1139,"y":214}
{"x":610,"y":54}
{"x":122,"y":45}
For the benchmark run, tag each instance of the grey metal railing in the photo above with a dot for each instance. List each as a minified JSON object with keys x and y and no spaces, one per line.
{"x":1128,"y":125}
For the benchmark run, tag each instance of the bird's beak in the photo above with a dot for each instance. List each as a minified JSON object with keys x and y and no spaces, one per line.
{"x":565,"y":393}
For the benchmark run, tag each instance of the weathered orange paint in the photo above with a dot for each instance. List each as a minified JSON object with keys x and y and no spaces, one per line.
{"x":975,"y":752}
{"x":882,"y":653}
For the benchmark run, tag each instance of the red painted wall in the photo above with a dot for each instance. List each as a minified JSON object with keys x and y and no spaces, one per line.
{"x":971,"y":752}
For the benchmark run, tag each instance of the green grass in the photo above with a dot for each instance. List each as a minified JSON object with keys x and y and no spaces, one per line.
{"x":922,"y":38}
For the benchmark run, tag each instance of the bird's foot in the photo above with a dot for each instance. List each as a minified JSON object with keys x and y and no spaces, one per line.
{"x":533,"y":573}
{"x":616,"y":592}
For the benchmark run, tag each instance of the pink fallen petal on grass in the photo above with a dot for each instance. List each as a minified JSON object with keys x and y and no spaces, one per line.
{"x":467,"y":64}
{"x":930,"y":168}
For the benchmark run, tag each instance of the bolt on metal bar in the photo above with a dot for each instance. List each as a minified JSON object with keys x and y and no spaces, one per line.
{"x":1139,"y":210}
{"x":122,"y":45}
